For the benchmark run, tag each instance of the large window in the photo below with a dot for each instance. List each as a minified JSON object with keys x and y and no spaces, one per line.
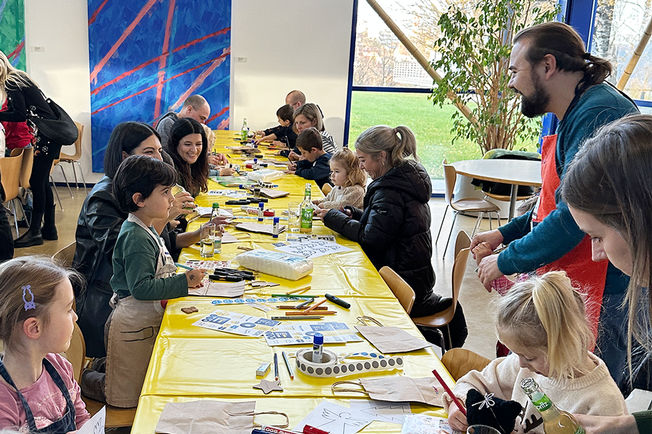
{"x":617,"y":30}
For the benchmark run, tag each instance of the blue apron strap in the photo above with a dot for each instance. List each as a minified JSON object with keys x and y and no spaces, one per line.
{"x":28,"y":412}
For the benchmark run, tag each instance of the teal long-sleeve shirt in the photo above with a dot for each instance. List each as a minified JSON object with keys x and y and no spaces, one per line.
{"x":558,"y":233}
{"x":134,"y":267}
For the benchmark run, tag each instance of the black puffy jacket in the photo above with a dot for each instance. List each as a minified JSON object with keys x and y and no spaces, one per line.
{"x":394,"y":228}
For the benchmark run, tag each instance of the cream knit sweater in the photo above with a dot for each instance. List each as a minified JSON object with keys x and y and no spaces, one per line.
{"x":340,"y":197}
{"x":595,"y":393}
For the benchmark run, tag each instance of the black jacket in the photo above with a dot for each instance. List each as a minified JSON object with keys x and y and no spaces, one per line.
{"x":98,"y":226}
{"x":394,"y":227}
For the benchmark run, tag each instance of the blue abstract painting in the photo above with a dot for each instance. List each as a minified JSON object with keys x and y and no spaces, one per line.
{"x":148,"y":56}
{"x":12,"y":31}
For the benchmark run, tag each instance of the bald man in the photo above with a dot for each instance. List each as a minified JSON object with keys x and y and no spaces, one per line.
{"x":295,"y":99}
{"x":195,"y":107}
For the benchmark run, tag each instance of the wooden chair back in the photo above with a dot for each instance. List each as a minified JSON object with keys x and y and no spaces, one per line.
{"x":326,"y":188}
{"x":461,"y":242}
{"x":65,"y":256}
{"x":401,"y":290}
{"x":26,"y":167}
{"x":78,"y":145}
{"x":450,"y":175}
{"x":76,"y":353}
{"x":10,"y":171}
{"x":459,"y":362}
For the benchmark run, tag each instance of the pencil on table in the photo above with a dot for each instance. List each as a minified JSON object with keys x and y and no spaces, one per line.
{"x":287,"y":365}
{"x":305,"y":288}
{"x":311,"y":308}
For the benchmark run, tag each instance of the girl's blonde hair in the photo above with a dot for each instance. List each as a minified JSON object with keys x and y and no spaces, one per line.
{"x":312,"y":113}
{"x":546,"y":312}
{"x":399,"y":143}
{"x":10,"y":77}
{"x":26,"y":279}
{"x":354,"y":174}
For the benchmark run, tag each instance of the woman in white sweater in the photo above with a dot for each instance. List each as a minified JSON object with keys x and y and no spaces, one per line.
{"x":543,"y":322}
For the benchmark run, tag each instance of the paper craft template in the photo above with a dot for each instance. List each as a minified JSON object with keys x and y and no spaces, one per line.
{"x":390,"y":340}
{"x":267,"y":386}
{"x":259,"y":228}
{"x":207,"y":265}
{"x":219,"y":289}
{"x":394,"y":412}
{"x":205,"y":211}
{"x":237,"y":323}
{"x":298,"y":334}
{"x":312,"y":248}
{"x":95,"y":425}
{"x":422,"y":424}
{"x":335,"y":419}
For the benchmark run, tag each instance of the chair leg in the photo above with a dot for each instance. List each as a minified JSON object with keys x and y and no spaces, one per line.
{"x":13,"y":212}
{"x":448,"y":333}
{"x":65,"y":178}
{"x":56,"y":192}
{"x":81,"y":172}
{"x":448,"y":240}
{"x":477,"y":223}
{"x":74,"y":173}
{"x":441,"y":225}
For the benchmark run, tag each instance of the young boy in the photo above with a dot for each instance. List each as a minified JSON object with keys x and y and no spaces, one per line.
{"x":143,"y":275}
{"x":313,"y":163}
{"x":283,"y":134}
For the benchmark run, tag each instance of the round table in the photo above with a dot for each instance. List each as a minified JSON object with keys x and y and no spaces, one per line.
{"x":514,"y":172}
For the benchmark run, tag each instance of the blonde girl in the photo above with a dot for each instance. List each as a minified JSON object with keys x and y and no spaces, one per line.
{"x":349,"y":181}
{"x":37,"y":390}
{"x":309,"y":115}
{"x":543,"y":322}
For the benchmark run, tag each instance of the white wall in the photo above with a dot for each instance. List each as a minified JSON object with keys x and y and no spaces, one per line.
{"x":277,"y":45}
{"x":280,"y":45}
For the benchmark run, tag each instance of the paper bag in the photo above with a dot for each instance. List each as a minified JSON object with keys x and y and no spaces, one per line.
{"x":207,"y":417}
{"x":390,"y":340}
{"x":397,"y":389}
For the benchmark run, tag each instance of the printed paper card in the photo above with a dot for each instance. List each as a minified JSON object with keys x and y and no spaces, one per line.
{"x":237,"y":323}
{"x":298,"y":334}
{"x":311,"y":248}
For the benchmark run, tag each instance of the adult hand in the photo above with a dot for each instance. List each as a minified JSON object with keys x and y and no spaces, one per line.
{"x":321,"y":212}
{"x":226,"y":171}
{"x":488,"y":270}
{"x":278,"y":143}
{"x":213,"y":160}
{"x":493,"y":238}
{"x":481,"y":251}
{"x":220,"y":221}
{"x":607,"y":424}
{"x":194,"y":278}
{"x":456,"y":419}
{"x":182,"y":204}
{"x":347,"y":212}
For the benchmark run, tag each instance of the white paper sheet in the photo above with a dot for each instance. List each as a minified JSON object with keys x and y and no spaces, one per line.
{"x":394,"y":412}
{"x":236,"y":323}
{"x":95,"y":425}
{"x":312,"y":248}
{"x":297,"y":334}
{"x":422,"y":424}
{"x":219,"y":289}
{"x":335,"y":419}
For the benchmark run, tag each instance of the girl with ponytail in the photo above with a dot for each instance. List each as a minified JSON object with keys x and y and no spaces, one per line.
{"x":393,"y":227}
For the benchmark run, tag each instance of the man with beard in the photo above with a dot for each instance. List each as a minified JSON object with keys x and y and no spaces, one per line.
{"x":553,"y":73}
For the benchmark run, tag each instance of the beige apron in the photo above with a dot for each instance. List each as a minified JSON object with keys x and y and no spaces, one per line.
{"x":132,"y":332}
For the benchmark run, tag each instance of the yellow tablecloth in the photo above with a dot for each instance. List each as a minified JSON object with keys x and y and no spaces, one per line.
{"x":190,"y":362}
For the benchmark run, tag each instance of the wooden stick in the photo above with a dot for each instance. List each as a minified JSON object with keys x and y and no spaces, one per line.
{"x":289,"y":307}
{"x":311,"y":308}
{"x":635,"y":57}
{"x":303,"y":312}
{"x":420,"y":58}
{"x":305,"y":288}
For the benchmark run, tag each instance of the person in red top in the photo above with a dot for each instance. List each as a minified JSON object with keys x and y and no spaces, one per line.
{"x":17,"y":134}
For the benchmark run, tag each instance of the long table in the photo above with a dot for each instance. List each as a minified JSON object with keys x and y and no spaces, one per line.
{"x":191,"y":363}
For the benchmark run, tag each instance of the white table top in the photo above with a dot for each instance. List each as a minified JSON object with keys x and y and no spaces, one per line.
{"x":516,"y":172}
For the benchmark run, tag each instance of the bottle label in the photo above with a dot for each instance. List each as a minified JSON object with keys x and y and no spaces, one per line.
{"x":306,"y":218}
{"x":541,"y":402}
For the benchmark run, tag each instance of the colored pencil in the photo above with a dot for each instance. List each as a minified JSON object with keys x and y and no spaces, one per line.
{"x":318,"y":312}
{"x":294,"y":296}
{"x":283,"y":318}
{"x":287,"y":306}
{"x":450,"y":392}
{"x":311,"y":308}
{"x":183,"y":266}
{"x":276,"y":366}
{"x":287,"y":365}
{"x":305,"y":288}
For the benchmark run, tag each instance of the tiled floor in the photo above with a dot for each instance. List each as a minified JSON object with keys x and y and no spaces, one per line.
{"x":475,"y":300}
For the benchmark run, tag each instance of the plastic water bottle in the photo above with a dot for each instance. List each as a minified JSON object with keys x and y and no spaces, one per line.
{"x":217,"y":237}
{"x":245,"y":129}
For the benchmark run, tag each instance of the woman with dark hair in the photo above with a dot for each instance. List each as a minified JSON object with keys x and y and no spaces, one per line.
{"x":188,"y":148}
{"x":99,"y":224}
{"x":608,"y":192}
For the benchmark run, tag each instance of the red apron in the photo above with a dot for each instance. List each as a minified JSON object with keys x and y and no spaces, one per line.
{"x":588,"y":276}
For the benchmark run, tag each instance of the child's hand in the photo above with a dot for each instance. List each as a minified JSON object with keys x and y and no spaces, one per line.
{"x":293,"y":156}
{"x":456,"y":419}
{"x":493,"y":238}
{"x":194,"y":278}
{"x":292,"y":167}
